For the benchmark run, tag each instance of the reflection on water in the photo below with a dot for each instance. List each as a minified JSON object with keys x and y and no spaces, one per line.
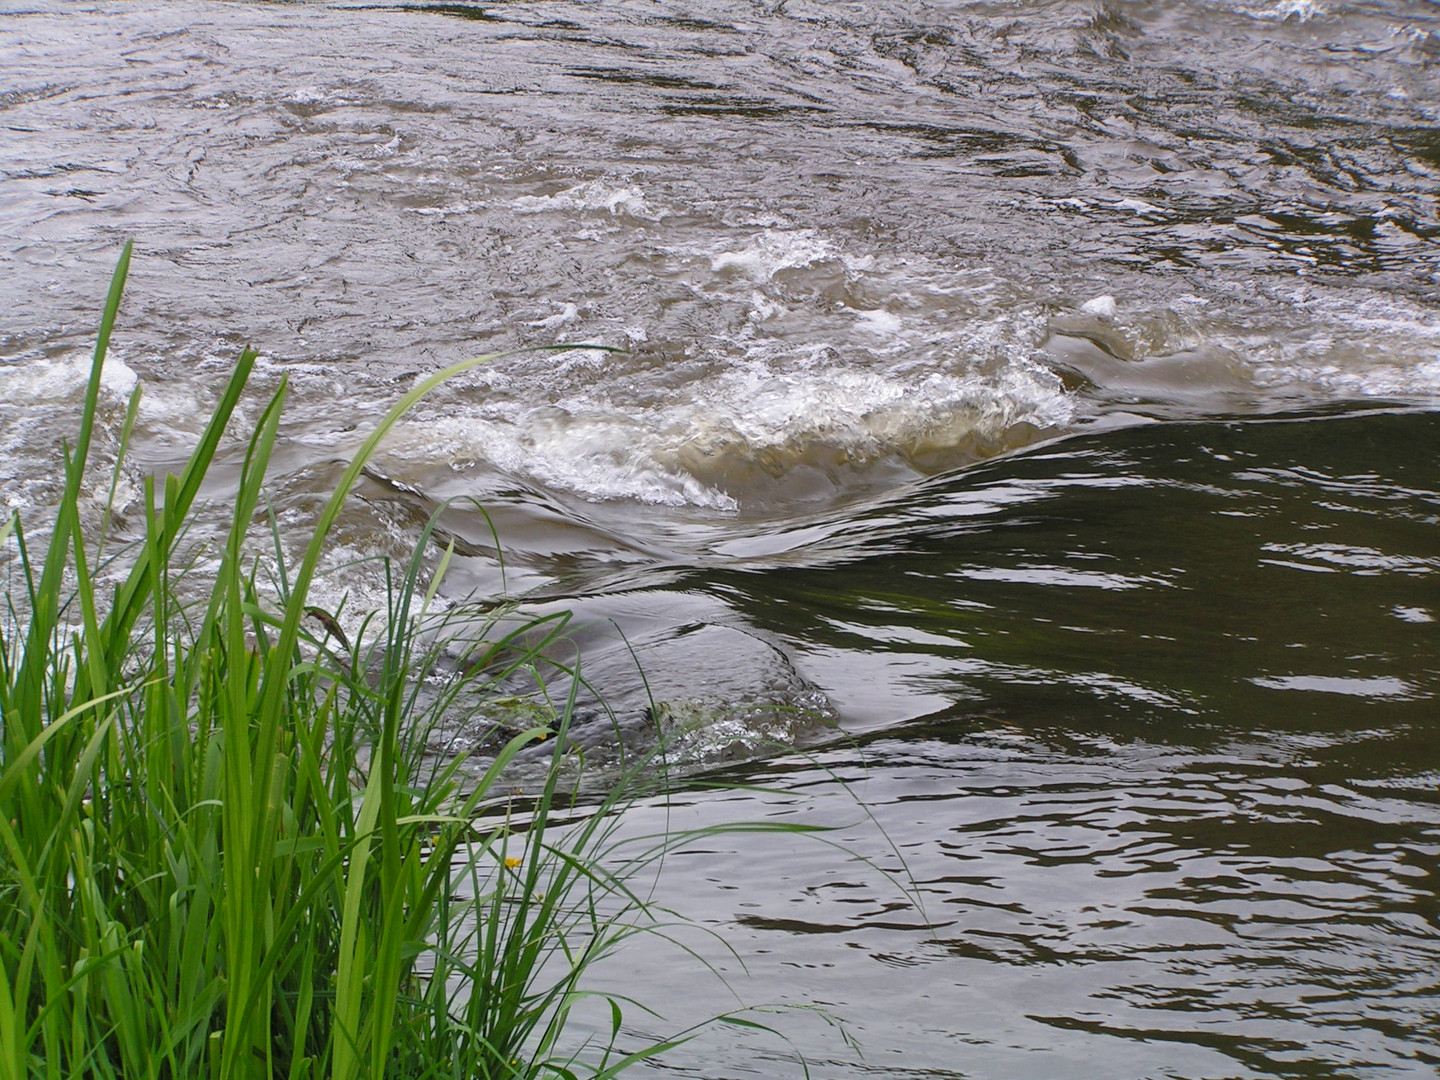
{"x":1142,"y":570}
{"x":1029,"y":408}
{"x":1100,"y":906}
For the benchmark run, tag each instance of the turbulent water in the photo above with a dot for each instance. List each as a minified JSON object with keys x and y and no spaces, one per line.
{"x":1039,"y":397}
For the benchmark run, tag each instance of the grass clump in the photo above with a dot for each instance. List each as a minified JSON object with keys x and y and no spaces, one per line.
{"x":216,"y":859}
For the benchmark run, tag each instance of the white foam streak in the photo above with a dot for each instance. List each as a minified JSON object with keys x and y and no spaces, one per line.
{"x":592,"y":196}
{"x":63,"y":379}
{"x":772,"y":251}
{"x":740,"y":434}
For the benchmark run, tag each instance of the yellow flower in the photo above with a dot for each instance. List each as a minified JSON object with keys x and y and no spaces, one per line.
{"x":512,"y":863}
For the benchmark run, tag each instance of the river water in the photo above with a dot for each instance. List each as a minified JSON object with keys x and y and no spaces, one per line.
{"x":1030,"y":409}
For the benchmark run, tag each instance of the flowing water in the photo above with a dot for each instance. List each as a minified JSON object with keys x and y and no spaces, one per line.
{"x":1031,"y":407}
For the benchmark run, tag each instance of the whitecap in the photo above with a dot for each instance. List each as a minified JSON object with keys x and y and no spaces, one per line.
{"x":773,"y":250}
{"x":592,"y":195}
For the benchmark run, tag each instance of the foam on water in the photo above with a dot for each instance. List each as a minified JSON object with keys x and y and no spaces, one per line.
{"x":591,"y":196}
{"x":1190,"y":355}
{"x":752,"y":433}
{"x":40,"y":405}
{"x":1378,"y":347}
{"x":62,"y":379}
{"x":774,"y":250}
{"x":1283,"y":10}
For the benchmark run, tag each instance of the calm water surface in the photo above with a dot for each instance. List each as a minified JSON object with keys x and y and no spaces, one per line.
{"x":1029,"y":409}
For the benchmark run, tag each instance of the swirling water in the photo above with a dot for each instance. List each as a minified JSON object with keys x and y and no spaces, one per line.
{"x":1029,"y":406}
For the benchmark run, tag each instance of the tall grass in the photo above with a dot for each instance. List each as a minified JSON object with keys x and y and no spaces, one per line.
{"x":216,"y":855}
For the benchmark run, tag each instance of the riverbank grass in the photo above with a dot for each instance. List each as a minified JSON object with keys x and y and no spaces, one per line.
{"x":216,"y":857}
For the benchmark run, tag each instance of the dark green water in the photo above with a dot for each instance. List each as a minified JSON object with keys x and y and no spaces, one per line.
{"x":1167,"y":779}
{"x":1184,"y":581}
